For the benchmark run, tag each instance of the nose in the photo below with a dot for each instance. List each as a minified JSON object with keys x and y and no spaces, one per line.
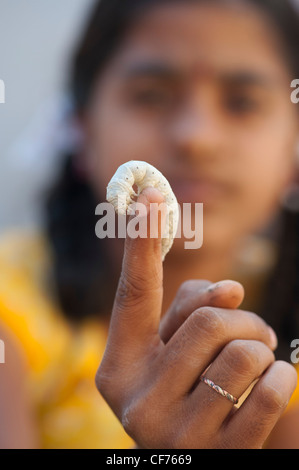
{"x":197,"y":131}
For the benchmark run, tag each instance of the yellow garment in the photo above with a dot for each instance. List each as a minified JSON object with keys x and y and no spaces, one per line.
{"x":62,"y":361}
{"x":294,"y":401}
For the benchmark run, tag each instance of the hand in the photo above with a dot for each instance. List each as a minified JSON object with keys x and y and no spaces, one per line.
{"x":150,"y":371}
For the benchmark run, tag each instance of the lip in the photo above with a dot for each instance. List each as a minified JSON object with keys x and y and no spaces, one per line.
{"x":201,"y":190}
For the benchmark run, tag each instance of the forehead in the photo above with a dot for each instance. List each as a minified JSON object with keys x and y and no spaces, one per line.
{"x":218,"y":38}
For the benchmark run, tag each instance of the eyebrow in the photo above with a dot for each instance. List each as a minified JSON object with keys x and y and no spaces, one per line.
{"x":162,"y":71}
{"x":244,"y":78}
{"x":152,"y":70}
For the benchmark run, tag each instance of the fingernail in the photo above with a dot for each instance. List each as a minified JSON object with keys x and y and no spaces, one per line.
{"x":273,"y":338}
{"x":213,"y":287}
{"x":218,"y":284}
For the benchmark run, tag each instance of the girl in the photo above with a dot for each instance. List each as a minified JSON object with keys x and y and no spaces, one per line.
{"x":201,"y":90}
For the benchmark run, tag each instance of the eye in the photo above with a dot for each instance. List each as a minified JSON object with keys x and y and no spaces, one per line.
{"x":241,"y":104}
{"x":153,"y":97}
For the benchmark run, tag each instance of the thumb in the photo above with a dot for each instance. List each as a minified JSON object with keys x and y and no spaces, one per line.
{"x":138,"y":301}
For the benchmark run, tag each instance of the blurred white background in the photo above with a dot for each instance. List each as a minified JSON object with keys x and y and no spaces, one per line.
{"x":37,"y":38}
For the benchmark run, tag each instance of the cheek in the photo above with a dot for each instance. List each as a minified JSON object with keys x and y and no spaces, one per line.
{"x":262,"y":164}
{"x":272,"y":164}
{"x":265,"y":170}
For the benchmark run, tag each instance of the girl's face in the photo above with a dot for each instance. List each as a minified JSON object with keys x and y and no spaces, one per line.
{"x":202,"y":92}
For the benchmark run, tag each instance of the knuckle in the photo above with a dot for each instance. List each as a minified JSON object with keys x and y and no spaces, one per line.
{"x":185,"y":287}
{"x":112,"y":383}
{"x":271,"y":400}
{"x":208,"y":320}
{"x":193,"y":285}
{"x":128,"y":421}
{"x":258,"y":326}
{"x":291,"y":371}
{"x":129,"y":292}
{"x":103,"y":380}
{"x":242,"y":356}
{"x":132,"y":290}
{"x":127,"y":289}
{"x":138,"y":420}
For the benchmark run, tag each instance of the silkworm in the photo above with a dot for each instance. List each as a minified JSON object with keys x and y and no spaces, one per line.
{"x":120,"y":194}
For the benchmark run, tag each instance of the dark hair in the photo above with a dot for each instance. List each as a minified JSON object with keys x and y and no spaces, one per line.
{"x":280,"y":307}
{"x":81,"y":272}
{"x":110,"y":19}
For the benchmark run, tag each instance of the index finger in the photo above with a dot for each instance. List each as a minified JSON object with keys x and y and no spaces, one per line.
{"x":197,"y":293}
